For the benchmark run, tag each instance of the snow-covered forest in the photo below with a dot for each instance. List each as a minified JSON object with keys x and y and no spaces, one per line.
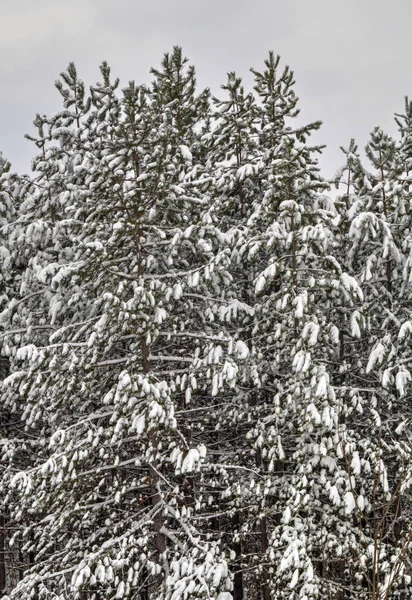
{"x":205,"y":352}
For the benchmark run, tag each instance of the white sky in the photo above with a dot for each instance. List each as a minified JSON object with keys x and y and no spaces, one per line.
{"x":351,"y":57}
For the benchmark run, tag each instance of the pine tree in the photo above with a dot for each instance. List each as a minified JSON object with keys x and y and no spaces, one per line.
{"x":375,"y":454}
{"x":112,"y":499}
{"x":298,"y":290}
{"x":8,"y":192}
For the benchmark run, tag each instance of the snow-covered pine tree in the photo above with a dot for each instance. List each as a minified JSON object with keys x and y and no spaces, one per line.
{"x":8,"y":199}
{"x":112,"y":500}
{"x":404,"y":154}
{"x":375,"y":450}
{"x":232,"y":160}
{"x":299,"y":289}
{"x":39,"y":243}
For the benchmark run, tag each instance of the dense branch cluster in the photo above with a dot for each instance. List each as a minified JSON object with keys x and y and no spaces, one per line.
{"x":205,"y":358}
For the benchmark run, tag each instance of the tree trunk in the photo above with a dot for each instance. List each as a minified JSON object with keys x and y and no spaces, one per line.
{"x":2,"y":555}
{"x":237,"y":548}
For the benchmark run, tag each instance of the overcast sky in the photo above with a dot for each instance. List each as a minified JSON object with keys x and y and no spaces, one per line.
{"x":351,"y":57}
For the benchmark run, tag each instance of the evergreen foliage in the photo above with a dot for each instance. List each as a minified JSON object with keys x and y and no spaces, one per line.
{"x":205,"y":358}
